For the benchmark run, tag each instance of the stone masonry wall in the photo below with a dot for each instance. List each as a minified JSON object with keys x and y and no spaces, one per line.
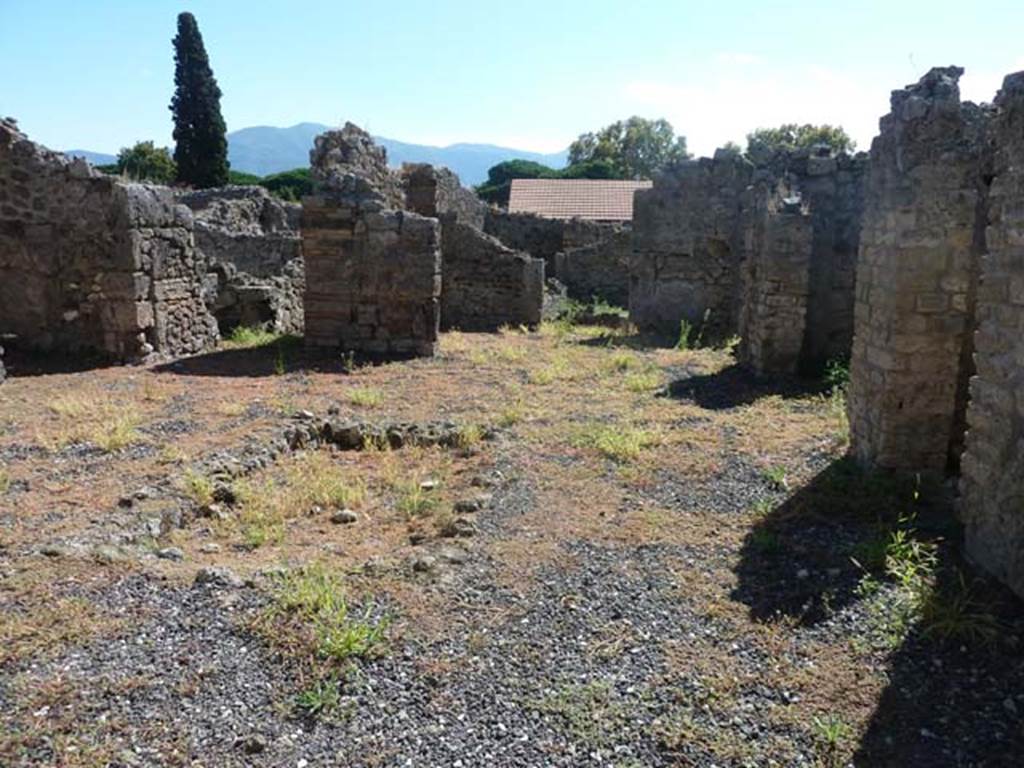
{"x":687,"y":241}
{"x":250,"y":244}
{"x":779,"y":243}
{"x":992,"y":484}
{"x":373,"y":273}
{"x":921,"y":241}
{"x":485,"y":284}
{"x":437,"y":192}
{"x":89,"y":262}
{"x":599,"y":270}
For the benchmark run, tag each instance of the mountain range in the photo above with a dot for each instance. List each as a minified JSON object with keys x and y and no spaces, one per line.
{"x":263,"y":150}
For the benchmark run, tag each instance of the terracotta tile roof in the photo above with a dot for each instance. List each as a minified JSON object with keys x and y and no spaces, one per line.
{"x":567,"y":198}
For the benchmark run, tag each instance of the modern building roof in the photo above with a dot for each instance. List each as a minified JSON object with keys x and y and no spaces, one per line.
{"x":598,"y":199}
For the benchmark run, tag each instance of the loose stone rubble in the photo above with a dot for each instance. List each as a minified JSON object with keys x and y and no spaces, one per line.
{"x":88,"y":262}
{"x":250,"y":243}
{"x":373,"y":271}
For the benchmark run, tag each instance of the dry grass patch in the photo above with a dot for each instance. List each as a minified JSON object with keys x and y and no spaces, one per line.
{"x":619,"y":442}
{"x":367,"y":397}
{"x":91,"y":416}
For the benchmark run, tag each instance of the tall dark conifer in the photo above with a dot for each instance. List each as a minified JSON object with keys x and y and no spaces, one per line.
{"x":201,"y":146}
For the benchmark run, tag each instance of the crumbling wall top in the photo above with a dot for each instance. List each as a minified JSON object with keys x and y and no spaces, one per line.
{"x":348,"y":166}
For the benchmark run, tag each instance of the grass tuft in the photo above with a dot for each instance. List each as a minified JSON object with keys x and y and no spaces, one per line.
{"x":368,"y":397}
{"x":618,"y":443}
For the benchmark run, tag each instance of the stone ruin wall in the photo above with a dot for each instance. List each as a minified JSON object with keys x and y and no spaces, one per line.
{"x":590,"y":258}
{"x":687,"y":241}
{"x":992,"y":483}
{"x":252,"y":252}
{"x":921,"y":240}
{"x":778,"y":241}
{"x":484,"y":284}
{"x":91,"y":263}
{"x":598,"y":270}
{"x":373,"y":271}
{"x":716,"y":244}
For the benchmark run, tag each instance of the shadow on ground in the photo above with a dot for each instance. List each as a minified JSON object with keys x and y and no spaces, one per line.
{"x":735,"y":386}
{"x":28,"y":363}
{"x":955,"y":667}
{"x":279,"y":357}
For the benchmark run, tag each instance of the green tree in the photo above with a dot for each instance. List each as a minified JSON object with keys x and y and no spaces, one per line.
{"x":145,"y":162}
{"x":764,"y":142}
{"x":290,"y":185}
{"x":201,"y":146}
{"x":592,"y":169}
{"x":637,"y":147}
{"x":730,"y":149}
{"x":499,"y":178}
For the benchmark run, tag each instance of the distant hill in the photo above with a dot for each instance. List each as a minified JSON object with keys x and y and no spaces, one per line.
{"x":265,"y":149}
{"x":96,"y":158}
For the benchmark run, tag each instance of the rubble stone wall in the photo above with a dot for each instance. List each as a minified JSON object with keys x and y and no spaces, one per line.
{"x":992,"y":483}
{"x":89,"y":262}
{"x":687,"y":244}
{"x":542,"y":238}
{"x":921,"y":240}
{"x":779,"y":242}
{"x":598,"y":270}
{"x":437,"y":192}
{"x":485,"y":284}
{"x":250,"y":244}
{"x":373,"y":273}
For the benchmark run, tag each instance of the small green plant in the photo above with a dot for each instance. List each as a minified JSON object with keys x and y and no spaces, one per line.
{"x":368,"y":397}
{"x":414,"y":500}
{"x":831,"y":732}
{"x":198,"y":487}
{"x":622,"y":361}
{"x":837,"y":374}
{"x":622,"y":444}
{"x":776,"y":477}
{"x":467,"y":436}
{"x":643,"y":381}
{"x":5,"y":481}
{"x":247,"y":337}
{"x":686,"y":333}
{"x":959,"y":614}
{"x":348,"y":362}
{"x":279,"y":363}
{"x":907,"y":559}
{"x":512,"y":414}
{"x":314,"y":597}
{"x":765,"y":542}
{"x":320,"y":699}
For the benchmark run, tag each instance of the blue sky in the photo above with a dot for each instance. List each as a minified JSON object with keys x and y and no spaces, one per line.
{"x":97,"y":74}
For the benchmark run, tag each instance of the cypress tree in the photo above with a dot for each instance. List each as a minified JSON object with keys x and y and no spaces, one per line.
{"x":201,"y":146}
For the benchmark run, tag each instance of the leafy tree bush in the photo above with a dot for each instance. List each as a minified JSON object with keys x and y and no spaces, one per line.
{"x":766,"y":141}
{"x":145,"y":162}
{"x":290,"y":185}
{"x":638,"y":148}
{"x":243,"y":179}
{"x":201,"y":150}
{"x":499,"y":178}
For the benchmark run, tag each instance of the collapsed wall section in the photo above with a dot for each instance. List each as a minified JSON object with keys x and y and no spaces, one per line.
{"x":89,"y":262}
{"x":687,"y":241}
{"x":921,"y":240}
{"x":484,"y":284}
{"x":252,"y":253}
{"x":992,"y":484}
{"x":598,"y":270}
{"x":373,"y":273}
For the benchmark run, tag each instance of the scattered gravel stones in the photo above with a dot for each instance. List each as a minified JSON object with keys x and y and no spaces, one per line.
{"x":170,"y":553}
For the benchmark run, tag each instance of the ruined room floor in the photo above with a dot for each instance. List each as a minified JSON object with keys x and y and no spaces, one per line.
{"x":627,"y":556}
